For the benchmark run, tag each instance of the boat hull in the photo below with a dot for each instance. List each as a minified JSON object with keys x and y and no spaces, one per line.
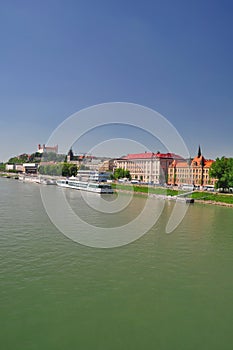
{"x":86,"y":186}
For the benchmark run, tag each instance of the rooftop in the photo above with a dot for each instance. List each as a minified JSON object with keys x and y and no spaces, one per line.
{"x":149,"y":155}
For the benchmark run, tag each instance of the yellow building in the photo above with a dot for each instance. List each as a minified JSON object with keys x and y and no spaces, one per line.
{"x":193,"y":172}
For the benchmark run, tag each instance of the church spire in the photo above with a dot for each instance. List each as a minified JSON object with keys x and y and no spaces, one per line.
{"x":70,"y":155}
{"x":199,"y":151}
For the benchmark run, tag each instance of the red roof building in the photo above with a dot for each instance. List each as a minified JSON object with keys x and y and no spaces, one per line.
{"x":192,"y":172}
{"x":147,"y":167}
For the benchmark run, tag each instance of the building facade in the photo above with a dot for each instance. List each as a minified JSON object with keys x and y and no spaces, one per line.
{"x":147,"y":167}
{"x":107,"y":165}
{"x":191,"y":172}
{"x":43,"y":149}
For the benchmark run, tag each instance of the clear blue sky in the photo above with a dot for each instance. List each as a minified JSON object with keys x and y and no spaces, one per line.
{"x":59,"y":56}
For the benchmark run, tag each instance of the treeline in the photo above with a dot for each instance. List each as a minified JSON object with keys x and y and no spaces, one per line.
{"x":62,"y":169}
{"x":37,"y":158}
{"x":23,"y":158}
{"x":222,"y":170}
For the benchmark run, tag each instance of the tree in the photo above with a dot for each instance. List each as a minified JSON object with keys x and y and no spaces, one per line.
{"x":127,"y":174}
{"x":69,"y":169}
{"x":23,"y":158}
{"x":61,"y":169}
{"x":222,"y":170}
{"x":2,"y":167}
{"x":51,"y":169}
{"x":65,"y":170}
{"x":73,"y":169}
{"x":35,"y":157}
{"x":120,"y":173}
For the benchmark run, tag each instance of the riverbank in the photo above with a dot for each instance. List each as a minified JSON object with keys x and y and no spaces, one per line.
{"x":9,"y":175}
{"x":163,"y":192}
{"x":160,"y":192}
{"x":213,"y":198}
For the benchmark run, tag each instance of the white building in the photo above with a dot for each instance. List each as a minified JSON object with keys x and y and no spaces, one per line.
{"x":29,"y":168}
{"x":43,"y":149}
{"x":10,"y":167}
{"x":148,"y":166}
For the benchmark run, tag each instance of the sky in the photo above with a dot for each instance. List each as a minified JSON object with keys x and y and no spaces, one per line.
{"x":60,"y":56}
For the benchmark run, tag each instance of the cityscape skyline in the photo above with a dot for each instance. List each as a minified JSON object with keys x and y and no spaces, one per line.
{"x":46,"y":149}
{"x":58,"y":58}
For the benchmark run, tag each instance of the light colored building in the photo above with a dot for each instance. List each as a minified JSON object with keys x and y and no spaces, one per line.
{"x":147,"y":167}
{"x":43,"y":149}
{"x":19,"y":167}
{"x":192,"y":172}
{"x":10,"y":167}
{"x":107,"y":165}
{"x":90,"y":162}
{"x":22,"y":168}
{"x":30,"y":168}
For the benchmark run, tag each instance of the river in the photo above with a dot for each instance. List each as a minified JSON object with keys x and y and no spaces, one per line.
{"x":162,"y":291}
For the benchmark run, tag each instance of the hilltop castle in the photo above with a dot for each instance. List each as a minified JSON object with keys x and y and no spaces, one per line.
{"x":43,"y":149}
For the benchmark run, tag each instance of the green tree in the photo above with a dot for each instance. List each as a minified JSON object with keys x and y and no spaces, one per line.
{"x":51,"y":169}
{"x":23,"y":158}
{"x":73,"y":169}
{"x":65,"y":170}
{"x":120,"y":173}
{"x":222,"y":170}
{"x":2,"y":167}
{"x":35,"y":157}
{"x":127,"y":174}
{"x":69,"y":169}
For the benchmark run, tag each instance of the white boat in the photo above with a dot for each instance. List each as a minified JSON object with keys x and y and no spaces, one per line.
{"x":76,"y":184}
{"x":47,"y":181}
{"x":28,"y":178}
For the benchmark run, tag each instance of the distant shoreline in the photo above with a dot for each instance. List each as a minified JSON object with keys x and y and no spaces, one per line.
{"x":163,"y":193}
{"x":223,"y":204}
{"x":201,"y":201}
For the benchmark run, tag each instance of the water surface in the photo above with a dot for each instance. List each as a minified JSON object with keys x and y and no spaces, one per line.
{"x":161,"y":292}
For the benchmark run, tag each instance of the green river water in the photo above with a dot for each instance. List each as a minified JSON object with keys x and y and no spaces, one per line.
{"x":162,"y":291}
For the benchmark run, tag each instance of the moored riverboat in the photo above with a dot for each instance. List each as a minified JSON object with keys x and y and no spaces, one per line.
{"x":96,"y":187}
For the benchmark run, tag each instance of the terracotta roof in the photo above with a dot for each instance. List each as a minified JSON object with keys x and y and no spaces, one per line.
{"x":208,"y":163}
{"x":183,"y":164}
{"x":198,"y":160}
{"x":149,"y":155}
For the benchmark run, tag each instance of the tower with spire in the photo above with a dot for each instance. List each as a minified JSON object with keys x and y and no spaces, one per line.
{"x":199,"y":152}
{"x":193,"y":172}
{"x":70,"y":155}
